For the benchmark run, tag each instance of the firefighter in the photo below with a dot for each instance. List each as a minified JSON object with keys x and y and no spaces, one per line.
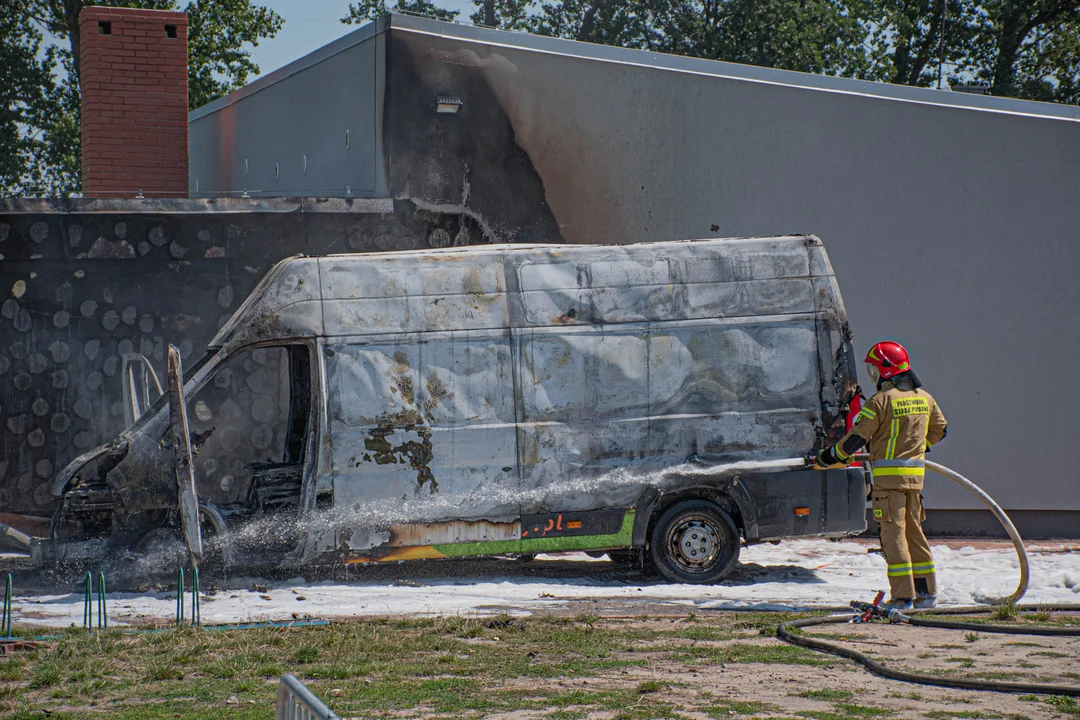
{"x":900,"y":423}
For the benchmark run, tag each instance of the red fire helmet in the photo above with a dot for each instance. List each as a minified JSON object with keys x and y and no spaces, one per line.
{"x":890,"y":358}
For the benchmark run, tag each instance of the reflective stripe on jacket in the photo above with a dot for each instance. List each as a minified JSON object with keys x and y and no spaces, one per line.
{"x":899,"y":426}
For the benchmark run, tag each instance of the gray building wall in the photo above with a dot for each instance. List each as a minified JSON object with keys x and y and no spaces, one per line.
{"x":953,"y":221}
{"x":312,"y":128}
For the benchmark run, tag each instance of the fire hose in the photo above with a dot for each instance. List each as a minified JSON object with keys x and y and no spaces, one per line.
{"x":785,"y":633}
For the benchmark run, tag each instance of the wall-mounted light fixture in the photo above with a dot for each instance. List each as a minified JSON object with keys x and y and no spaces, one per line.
{"x":447,"y":105}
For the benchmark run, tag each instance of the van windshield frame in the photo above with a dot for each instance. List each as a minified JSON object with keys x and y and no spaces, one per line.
{"x":163,"y":399}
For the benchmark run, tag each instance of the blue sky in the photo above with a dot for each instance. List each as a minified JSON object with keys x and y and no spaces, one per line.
{"x":310,"y":24}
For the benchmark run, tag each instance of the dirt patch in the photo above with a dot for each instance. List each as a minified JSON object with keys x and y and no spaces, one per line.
{"x":708,"y":679}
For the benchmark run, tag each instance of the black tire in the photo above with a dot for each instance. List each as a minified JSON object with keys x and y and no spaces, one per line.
{"x":694,"y":541}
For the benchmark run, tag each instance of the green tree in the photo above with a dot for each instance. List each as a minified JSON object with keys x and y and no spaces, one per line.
{"x":819,"y":36}
{"x":505,"y":14}
{"x":25,"y":84}
{"x":368,"y":10}
{"x":905,"y":37}
{"x":1018,"y":48}
{"x":1049,"y":69}
{"x":625,"y":23}
{"x":220,"y":34}
{"x":815,"y":36}
{"x":1028,"y":49}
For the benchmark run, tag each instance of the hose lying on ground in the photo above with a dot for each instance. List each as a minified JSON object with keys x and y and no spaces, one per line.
{"x":878,"y":669}
{"x":977,"y":627}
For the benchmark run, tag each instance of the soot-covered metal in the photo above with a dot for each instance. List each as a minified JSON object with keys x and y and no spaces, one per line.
{"x":492,"y":400}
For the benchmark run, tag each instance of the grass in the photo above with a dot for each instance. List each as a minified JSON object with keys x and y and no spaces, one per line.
{"x":388,"y":666}
{"x":1004,"y":612}
{"x":827,"y":694}
{"x":746,"y":653}
{"x":725,"y":709}
{"x":1065,"y":704}
{"x":847,"y":711}
{"x":852,"y":710}
{"x":556,"y":667}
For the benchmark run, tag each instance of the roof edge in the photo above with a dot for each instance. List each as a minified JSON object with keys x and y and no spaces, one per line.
{"x":334,"y":47}
{"x":732,"y":71}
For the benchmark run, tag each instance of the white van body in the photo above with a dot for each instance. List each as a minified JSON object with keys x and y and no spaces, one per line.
{"x":501,"y":400}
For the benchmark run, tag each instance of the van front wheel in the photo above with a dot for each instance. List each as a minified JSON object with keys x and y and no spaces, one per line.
{"x":694,"y":541}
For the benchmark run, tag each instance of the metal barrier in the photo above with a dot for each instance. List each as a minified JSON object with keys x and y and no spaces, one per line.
{"x":296,"y":702}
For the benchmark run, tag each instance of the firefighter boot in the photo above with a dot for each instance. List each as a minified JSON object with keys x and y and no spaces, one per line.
{"x":897,"y":604}
{"x":923,"y":599}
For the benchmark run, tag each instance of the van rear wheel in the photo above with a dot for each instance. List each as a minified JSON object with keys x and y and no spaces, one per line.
{"x":694,"y":541}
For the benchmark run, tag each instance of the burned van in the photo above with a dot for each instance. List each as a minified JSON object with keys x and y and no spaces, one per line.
{"x":651,"y":399}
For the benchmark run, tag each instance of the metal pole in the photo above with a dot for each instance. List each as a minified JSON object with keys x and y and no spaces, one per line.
{"x":7,"y":607}
{"x":103,"y":615}
{"x":88,"y":602}
{"x":180,"y":597}
{"x":196,"y":619}
{"x":941,"y":40}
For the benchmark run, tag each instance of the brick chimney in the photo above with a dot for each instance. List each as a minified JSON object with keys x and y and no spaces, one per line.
{"x":133,"y":70}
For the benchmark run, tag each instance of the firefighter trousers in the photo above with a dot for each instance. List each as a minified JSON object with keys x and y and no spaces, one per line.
{"x":900,"y":514}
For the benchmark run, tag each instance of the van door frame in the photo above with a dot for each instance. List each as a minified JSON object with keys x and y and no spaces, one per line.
{"x":315,"y":423}
{"x":318,"y":447}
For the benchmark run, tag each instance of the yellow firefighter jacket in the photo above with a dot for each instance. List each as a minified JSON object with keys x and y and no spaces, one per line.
{"x":899,"y":426}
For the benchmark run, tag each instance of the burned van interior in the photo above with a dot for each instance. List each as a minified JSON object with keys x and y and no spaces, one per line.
{"x":248,"y":426}
{"x":248,"y":423}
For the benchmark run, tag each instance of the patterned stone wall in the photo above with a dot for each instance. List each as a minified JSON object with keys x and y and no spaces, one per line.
{"x":81,"y":287}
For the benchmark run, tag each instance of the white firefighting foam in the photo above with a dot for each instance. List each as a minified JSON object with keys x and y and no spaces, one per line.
{"x":794,"y":574}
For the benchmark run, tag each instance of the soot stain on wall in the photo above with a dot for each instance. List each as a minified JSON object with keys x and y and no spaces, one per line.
{"x":469,"y":162}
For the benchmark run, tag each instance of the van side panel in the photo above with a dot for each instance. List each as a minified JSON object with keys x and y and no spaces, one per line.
{"x":469,"y":391}
{"x":404,"y":294}
{"x":836,"y":355}
{"x":633,"y":360}
{"x":605,"y":412}
{"x":422,"y":428}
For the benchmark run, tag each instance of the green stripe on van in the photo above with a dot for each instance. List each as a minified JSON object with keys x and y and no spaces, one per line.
{"x":619,"y":539}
